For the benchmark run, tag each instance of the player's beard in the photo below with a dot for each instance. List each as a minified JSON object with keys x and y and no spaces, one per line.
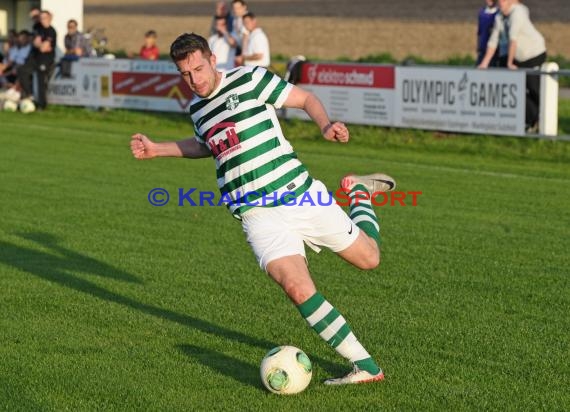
{"x":211,"y":85}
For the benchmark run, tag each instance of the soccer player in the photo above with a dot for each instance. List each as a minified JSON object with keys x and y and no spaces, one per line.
{"x":235,"y":122}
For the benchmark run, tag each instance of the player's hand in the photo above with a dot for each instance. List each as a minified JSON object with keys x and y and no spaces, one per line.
{"x":512,"y":66}
{"x":336,"y":132}
{"x":142,"y":147}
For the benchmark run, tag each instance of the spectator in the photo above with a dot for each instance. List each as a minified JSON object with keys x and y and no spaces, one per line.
{"x":239,"y":8}
{"x":75,"y":43}
{"x":487,"y":15}
{"x":35,"y":18}
{"x":149,"y":50}
{"x":223,"y":45}
{"x":527,"y":49}
{"x":17,"y":56}
{"x":9,"y":43}
{"x":256,"y":50}
{"x":222,"y":10}
{"x":41,"y":60}
{"x":75,"y":47}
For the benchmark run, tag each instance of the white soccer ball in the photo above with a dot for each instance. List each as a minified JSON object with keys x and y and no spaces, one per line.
{"x":10,"y":106}
{"x":27,"y":106}
{"x":286,"y":370}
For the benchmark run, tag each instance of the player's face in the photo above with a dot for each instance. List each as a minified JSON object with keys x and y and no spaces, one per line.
{"x":199,"y":73}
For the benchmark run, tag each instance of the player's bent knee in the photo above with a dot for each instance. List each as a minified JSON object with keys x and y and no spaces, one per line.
{"x":297,"y":292}
{"x":370,"y":261}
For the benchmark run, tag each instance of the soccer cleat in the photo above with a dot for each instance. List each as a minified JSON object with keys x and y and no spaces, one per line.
{"x":356,"y":376}
{"x":376,"y":182}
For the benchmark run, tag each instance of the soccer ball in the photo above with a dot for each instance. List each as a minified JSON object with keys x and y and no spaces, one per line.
{"x":27,"y":106}
{"x":286,"y":370}
{"x":10,"y":106}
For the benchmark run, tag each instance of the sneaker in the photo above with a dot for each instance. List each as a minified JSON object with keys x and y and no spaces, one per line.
{"x":356,"y":376}
{"x":376,"y":182}
{"x":532,"y":129}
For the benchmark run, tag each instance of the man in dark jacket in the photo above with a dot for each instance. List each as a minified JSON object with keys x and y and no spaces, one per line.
{"x":41,"y":60}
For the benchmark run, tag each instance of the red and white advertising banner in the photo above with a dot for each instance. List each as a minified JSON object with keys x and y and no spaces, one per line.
{"x":355,"y":93}
{"x":132,"y":84}
{"x":461,"y":100}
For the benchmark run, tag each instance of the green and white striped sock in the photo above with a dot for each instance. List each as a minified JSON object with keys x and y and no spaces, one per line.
{"x":362,"y":214}
{"x":332,"y":327}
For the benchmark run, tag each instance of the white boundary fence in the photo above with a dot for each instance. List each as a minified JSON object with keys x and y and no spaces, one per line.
{"x":455,"y":99}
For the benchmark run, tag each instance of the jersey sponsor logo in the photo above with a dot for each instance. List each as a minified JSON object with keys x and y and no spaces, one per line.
{"x":232,"y":101}
{"x":222,"y":144}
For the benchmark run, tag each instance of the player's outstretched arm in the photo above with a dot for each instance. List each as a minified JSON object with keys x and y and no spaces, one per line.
{"x":307,"y":101}
{"x":144,"y":148}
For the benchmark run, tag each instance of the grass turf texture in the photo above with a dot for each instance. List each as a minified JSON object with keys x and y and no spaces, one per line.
{"x":110,"y":303}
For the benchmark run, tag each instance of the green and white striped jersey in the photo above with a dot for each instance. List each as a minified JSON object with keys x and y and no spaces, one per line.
{"x":255,"y":164}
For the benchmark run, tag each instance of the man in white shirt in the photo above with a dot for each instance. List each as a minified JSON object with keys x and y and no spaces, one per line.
{"x":256,"y":50}
{"x":527,"y":49}
{"x":223,"y":44}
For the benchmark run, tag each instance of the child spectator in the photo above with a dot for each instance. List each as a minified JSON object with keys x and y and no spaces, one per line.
{"x":149,"y":50}
{"x":486,"y":22}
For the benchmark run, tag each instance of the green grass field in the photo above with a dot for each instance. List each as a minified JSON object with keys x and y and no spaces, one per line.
{"x":109,"y":303}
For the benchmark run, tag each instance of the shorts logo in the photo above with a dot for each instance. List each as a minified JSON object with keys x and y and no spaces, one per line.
{"x":232,"y":101}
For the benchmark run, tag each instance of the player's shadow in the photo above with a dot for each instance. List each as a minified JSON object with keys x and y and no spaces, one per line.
{"x":57,"y":264}
{"x":234,"y":368}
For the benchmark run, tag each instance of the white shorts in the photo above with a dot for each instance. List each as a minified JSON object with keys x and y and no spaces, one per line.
{"x":276,"y":232}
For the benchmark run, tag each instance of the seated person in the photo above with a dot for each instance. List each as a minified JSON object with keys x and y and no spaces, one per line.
{"x":17,"y":55}
{"x":75,"y":47}
{"x":75,"y":43}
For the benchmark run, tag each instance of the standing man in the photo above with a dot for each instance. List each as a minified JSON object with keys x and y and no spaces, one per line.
{"x":235,"y":123}
{"x":256,"y":49}
{"x":40,"y":61}
{"x":35,"y":18}
{"x":223,"y":45}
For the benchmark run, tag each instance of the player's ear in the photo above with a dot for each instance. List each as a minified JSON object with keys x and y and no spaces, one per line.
{"x":213,"y":60}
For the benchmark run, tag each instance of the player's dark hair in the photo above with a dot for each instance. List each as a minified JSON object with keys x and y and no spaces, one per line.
{"x":73,"y":21}
{"x":150,"y":33}
{"x":188,"y":43}
{"x":249,"y":14}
